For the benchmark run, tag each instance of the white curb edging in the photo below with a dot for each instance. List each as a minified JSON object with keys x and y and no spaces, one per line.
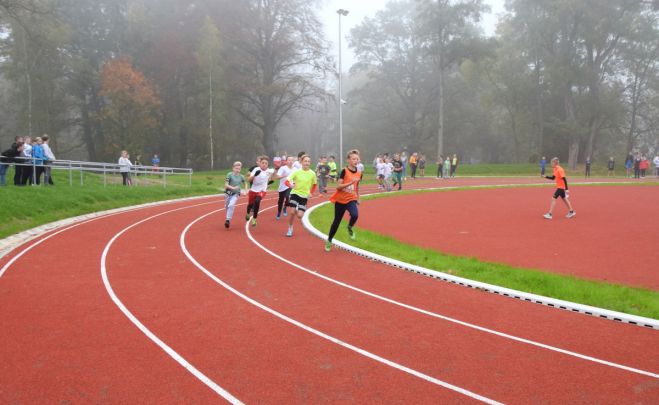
{"x":507,"y":292}
{"x":10,"y":243}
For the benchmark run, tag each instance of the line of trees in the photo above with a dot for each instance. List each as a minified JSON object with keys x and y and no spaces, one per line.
{"x":205,"y":82}
{"x":189,"y":80}
{"x":572,"y":78}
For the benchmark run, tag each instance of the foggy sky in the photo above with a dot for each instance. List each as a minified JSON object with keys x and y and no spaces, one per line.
{"x":368,"y":8}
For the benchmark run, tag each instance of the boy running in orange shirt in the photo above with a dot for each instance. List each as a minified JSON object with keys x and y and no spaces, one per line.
{"x":561,"y":189}
{"x":346,"y":198}
{"x":303,"y":184}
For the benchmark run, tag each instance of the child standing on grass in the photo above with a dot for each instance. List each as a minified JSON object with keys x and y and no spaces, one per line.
{"x":422,"y":166}
{"x":561,"y":189}
{"x":303,"y":184}
{"x":440,"y":167}
{"x":259,"y":178}
{"x":232,"y":185}
{"x":284,"y":190}
{"x":447,"y":166}
{"x":124,"y":168}
{"x":346,"y":198}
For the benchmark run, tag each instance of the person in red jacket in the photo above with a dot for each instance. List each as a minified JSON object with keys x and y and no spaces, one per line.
{"x":561,"y":189}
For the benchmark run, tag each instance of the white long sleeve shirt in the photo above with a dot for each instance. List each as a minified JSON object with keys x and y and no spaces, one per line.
{"x":124,"y":164}
{"x":48,"y":152}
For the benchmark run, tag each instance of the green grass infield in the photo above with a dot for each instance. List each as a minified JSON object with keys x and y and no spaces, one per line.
{"x":630,"y":300}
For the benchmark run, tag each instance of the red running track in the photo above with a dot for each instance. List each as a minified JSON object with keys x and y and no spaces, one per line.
{"x":613,"y":238}
{"x":65,"y":340}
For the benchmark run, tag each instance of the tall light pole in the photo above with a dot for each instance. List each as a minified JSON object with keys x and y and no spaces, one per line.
{"x":340,"y":12}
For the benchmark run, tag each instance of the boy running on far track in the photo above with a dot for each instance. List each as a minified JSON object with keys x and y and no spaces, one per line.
{"x":322,"y":171}
{"x":259,"y":178}
{"x":346,"y":198}
{"x":303,"y":184}
{"x":284,"y":190}
{"x":561,"y":189}
{"x":332,"y":165}
{"x":398,"y":171}
{"x":232,"y":184}
{"x":380,"y":168}
{"x":388,"y":170}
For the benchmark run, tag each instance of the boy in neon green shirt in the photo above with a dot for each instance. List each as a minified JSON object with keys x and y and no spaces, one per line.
{"x":303,"y":184}
{"x":333,"y":172}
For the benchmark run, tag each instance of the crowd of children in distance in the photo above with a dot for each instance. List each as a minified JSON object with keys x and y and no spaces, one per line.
{"x":297,"y":183}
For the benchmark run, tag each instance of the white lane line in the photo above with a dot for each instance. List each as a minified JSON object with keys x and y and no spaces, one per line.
{"x":166,"y":348}
{"x":456,"y":321}
{"x":316,"y":332}
{"x":68,"y":227}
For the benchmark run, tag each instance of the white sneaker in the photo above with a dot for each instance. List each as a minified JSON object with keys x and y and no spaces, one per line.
{"x":547,"y":216}
{"x":571,"y":214}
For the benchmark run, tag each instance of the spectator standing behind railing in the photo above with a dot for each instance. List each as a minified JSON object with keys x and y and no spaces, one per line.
{"x":50,"y":158}
{"x":4,"y":165}
{"x":8,"y":157}
{"x":17,"y":148}
{"x":138,"y":163}
{"x":155,"y":162}
{"x":37,"y":159}
{"x":124,"y":168}
{"x":27,"y":169}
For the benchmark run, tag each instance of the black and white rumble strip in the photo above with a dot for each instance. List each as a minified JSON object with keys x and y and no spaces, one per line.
{"x":506,"y":292}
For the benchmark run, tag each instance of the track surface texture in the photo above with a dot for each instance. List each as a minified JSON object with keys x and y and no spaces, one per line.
{"x":611,"y":239}
{"x":163,"y":305}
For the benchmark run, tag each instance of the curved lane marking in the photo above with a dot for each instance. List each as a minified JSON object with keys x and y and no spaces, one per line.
{"x":166,"y":348}
{"x":318,"y":333}
{"x":64,"y":228}
{"x":453,"y":320}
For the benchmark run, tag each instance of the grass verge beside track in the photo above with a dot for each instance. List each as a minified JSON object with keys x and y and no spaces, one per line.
{"x":23,"y":208}
{"x":634,"y":301}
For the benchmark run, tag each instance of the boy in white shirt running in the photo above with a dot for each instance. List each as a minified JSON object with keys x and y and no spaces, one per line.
{"x":259,"y":178}
{"x":284,"y":191}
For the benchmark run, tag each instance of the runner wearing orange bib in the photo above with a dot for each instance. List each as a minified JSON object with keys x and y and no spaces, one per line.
{"x":346,"y":198}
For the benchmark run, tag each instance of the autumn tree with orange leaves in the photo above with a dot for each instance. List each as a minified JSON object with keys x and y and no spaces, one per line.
{"x":131,"y":110}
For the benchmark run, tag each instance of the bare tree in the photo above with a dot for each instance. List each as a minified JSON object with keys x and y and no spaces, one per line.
{"x":278,"y":56}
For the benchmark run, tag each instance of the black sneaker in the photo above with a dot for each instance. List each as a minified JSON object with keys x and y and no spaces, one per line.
{"x":226,"y":224}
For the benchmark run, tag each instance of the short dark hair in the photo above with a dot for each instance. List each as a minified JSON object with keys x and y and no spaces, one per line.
{"x":299,"y":155}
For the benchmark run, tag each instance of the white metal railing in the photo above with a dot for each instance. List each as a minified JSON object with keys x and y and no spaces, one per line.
{"x":148,"y":174}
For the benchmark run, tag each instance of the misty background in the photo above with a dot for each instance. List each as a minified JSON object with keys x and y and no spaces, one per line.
{"x":204,"y":83}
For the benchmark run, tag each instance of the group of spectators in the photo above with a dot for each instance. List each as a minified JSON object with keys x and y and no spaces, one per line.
{"x":31,"y":158}
{"x":638,"y":164}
